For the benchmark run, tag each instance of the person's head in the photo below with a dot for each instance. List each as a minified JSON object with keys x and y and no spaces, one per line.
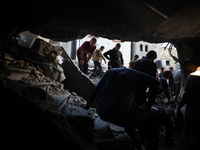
{"x":93,"y":42}
{"x":102,"y":48}
{"x":151,"y":55}
{"x":136,"y":57}
{"x":189,"y":67}
{"x":171,"y":69}
{"x":162,"y":69}
{"x":117,"y":47}
{"x":143,"y":57}
{"x":167,"y":74}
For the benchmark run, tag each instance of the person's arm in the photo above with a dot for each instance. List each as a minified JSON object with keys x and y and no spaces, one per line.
{"x":177,"y":91}
{"x":89,"y":57}
{"x":121,"y":57}
{"x":153,"y":84}
{"x":153,"y":90}
{"x":166,"y":89}
{"x":106,"y":55}
{"x":82,"y":56}
{"x":92,"y":97}
{"x":189,"y":88}
{"x":155,"y":69}
{"x":177,"y":81}
{"x":184,"y":100}
{"x":102,"y":57}
{"x":168,"y":95}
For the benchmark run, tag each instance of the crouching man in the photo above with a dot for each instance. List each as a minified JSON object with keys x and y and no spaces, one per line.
{"x":114,"y":95}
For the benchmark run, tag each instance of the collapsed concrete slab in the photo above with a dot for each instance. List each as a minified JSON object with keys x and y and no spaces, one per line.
{"x":75,"y":79}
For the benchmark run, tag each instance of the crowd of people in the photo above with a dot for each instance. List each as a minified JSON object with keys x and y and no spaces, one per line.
{"x":124,"y":96}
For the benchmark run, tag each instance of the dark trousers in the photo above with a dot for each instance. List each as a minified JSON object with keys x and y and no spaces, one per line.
{"x":139,"y":118}
{"x":164,"y":120}
{"x":84,"y":67}
{"x":97,"y":65}
{"x":193,"y":133}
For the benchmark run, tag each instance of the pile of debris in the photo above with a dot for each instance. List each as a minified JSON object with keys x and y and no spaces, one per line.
{"x":59,"y":90}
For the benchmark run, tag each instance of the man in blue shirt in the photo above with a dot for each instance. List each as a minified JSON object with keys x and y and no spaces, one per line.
{"x":114,"y":95}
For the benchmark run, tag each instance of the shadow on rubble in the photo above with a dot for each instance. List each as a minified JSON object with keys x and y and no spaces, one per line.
{"x":27,"y":127}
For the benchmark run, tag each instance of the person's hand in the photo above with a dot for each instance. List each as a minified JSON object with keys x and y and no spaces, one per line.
{"x":81,"y":62}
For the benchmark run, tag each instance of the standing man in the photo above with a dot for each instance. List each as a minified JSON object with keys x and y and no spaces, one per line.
{"x":115,"y":57}
{"x":147,"y":66}
{"x":162,"y":70}
{"x":97,"y":61}
{"x":87,"y":48}
{"x":115,"y":103}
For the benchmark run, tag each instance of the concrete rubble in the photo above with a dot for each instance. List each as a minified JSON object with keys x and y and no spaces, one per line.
{"x":36,"y":78}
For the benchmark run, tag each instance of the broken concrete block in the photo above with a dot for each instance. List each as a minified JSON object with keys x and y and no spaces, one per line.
{"x":75,"y":80}
{"x":44,"y":48}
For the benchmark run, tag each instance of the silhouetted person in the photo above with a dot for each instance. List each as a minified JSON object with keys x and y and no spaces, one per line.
{"x":132,"y":61}
{"x":192,"y":112}
{"x":115,"y":57}
{"x":115,"y":103}
{"x":147,"y":66}
{"x":97,"y":61}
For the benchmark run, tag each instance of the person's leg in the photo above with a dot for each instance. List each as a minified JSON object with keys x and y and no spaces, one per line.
{"x":165,"y":120}
{"x":134,"y":136}
{"x":80,"y":66}
{"x":149,"y":129}
{"x":123,"y":121}
{"x":146,"y":123}
{"x":85,"y":65}
{"x":100,"y":68}
{"x":94,"y":71}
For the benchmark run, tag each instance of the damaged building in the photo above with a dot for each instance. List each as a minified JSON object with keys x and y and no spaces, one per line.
{"x":43,"y":98}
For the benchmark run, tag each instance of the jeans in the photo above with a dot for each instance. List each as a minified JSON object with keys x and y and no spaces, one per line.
{"x":84,"y":67}
{"x":97,"y":64}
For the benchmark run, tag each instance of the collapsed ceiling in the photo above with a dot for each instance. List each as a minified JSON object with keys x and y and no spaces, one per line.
{"x":127,"y":20}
